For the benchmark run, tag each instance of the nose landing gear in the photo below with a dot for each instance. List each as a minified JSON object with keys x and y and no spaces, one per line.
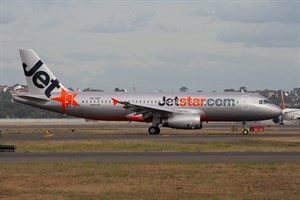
{"x":245,"y":129}
{"x":256,"y":129}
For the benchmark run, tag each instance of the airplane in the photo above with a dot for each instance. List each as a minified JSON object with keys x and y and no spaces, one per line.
{"x":289,"y":114}
{"x":170,"y":109}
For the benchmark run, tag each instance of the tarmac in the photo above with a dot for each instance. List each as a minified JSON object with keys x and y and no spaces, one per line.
{"x":291,"y":130}
{"x":139,"y":137}
{"x":155,"y":157}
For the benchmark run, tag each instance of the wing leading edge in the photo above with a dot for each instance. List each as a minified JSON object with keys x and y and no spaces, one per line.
{"x":149,"y":111}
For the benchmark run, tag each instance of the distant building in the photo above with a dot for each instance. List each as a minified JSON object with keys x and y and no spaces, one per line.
{"x":270,"y":93}
{"x":296,"y":91}
{"x":120,"y":90}
{"x":18,"y":89}
{"x":3,"y":88}
{"x":92,"y":90}
{"x":243,"y":88}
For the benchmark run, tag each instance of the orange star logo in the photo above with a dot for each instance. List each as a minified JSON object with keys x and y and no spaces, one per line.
{"x":66,"y":99}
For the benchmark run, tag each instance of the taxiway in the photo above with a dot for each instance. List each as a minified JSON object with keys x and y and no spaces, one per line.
{"x":156,"y":157}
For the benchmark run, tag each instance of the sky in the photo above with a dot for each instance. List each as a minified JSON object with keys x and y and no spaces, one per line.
{"x":155,"y":45}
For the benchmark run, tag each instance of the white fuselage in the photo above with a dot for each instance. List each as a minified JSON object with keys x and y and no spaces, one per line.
{"x":290,"y":114}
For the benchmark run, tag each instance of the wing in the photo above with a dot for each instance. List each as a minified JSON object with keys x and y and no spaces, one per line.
{"x":291,"y":111}
{"x":145,"y":110}
{"x":149,"y":110}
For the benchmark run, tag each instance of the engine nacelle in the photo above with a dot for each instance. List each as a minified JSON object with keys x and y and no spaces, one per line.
{"x":183,"y":121}
{"x":277,"y":120}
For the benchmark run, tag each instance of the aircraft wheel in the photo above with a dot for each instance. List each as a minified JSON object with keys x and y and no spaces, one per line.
{"x":281,"y":123}
{"x":153,"y":130}
{"x":245,"y":131}
{"x":157,"y":130}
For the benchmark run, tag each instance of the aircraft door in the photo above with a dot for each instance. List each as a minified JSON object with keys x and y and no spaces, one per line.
{"x":69,"y":104}
{"x":69,"y":101}
{"x":245,"y":102}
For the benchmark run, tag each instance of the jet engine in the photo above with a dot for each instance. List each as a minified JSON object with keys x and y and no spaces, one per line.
{"x":183,"y":121}
{"x":277,"y":120}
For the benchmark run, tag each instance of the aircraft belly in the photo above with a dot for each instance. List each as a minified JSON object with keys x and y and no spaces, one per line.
{"x":230,"y":114}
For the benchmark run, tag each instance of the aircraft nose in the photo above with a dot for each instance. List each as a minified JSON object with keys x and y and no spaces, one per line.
{"x":276,"y":111}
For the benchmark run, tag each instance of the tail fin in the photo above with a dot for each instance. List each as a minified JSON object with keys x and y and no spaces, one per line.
{"x":39,"y":78}
{"x":282,"y":101}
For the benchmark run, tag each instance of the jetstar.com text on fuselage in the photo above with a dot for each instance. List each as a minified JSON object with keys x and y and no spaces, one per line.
{"x":193,"y":102}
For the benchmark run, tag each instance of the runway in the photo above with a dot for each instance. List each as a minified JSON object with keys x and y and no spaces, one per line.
{"x":145,"y":137}
{"x":156,"y":157}
{"x":134,"y":125}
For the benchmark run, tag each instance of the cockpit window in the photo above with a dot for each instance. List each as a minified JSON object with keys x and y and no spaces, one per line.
{"x":265,"y":101}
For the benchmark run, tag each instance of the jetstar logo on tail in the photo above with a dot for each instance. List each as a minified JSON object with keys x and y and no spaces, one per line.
{"x":41,"y":79}
{"x":66,"y":99}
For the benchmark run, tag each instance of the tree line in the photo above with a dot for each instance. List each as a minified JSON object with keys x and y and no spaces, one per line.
{"x":10,"y":109}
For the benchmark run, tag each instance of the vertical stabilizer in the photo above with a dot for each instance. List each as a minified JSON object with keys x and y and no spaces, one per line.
{"x":282,"y":101}
{"x":39,"y":78}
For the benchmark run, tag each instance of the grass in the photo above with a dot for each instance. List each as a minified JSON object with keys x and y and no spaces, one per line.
{"x":248,"y":145}
{"x":282,"y":140}
{"x":91,"y":180}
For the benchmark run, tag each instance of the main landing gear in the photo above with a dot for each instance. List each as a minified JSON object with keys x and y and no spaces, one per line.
{"x":154,"y":130}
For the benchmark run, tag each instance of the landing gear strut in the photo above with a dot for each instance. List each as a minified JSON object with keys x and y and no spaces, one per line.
{"x":245,"y":130}
{"x":281,"y":121}
{"x":154,"y":130}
